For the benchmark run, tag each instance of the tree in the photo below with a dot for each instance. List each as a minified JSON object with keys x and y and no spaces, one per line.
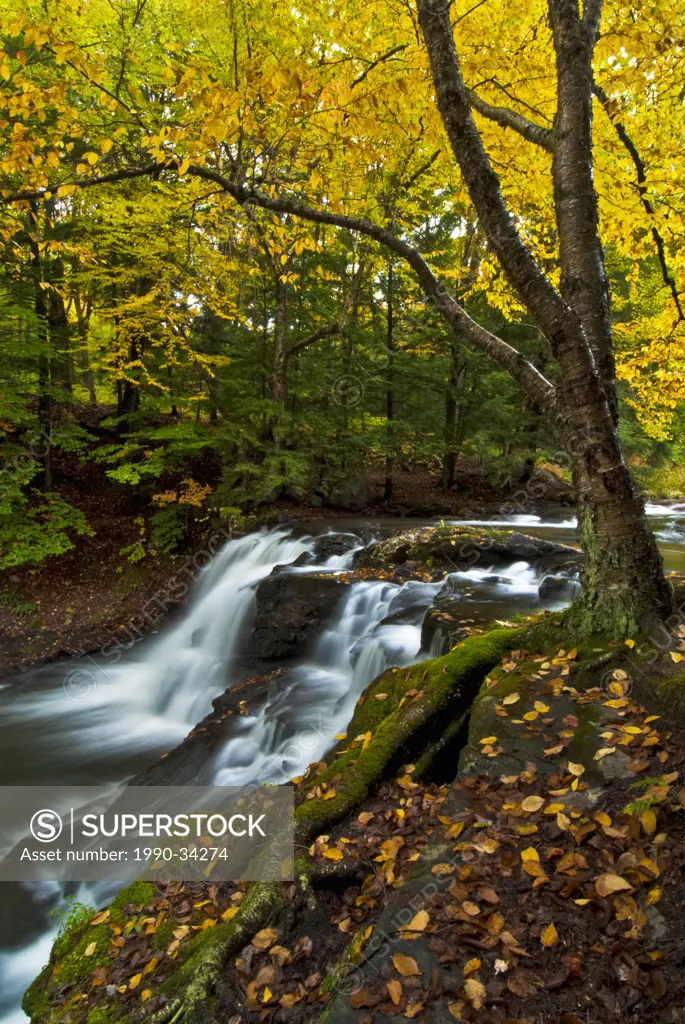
{"x":262,"y":116}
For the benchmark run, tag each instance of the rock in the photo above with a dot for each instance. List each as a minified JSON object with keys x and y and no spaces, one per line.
{"x":350,"y":495}
{"x":316,"y":501}
{"x":292,"y":609}
{"x":558,"y":588}
{"x":463,"y":547}
{"x":544,"y":485}
{"x":330,"y":544}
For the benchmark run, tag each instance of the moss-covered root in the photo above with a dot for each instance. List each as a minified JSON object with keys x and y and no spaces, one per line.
{"x":392,"y":718}
{"x":205,"y":957}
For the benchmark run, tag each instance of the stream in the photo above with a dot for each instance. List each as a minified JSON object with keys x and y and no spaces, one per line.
{"x":101,"y":721}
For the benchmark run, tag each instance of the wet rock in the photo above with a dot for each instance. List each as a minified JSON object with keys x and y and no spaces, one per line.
{"x":331,"y":544}
{"x":292,"y":609}
{"x":558,"y":588}
{"x":463,"y":547}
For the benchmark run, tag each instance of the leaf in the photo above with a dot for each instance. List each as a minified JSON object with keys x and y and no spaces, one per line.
{"x":92,"y":157}
{"x":333,"y":853}
{"x":488,"y":740}
{"x":394,"y":988}
{"x":675,"y":656}
{"x":549,"y":936}
{"x":230,"y":913}
{"x":381,"y":696}
{"x":135,"y":981}
{"x":419,"y":922}
{"x":265,"y":938}
{"x":146,"y":994}
{"x":475,"y":993}
{"x":100,"y":918}
{"x":90,"y":949}
{"x":406,"y":965}
{"x":471,"y":966}
{"x":532,"y":804}
{"x":365,"y":817}
{"x":442,"y":869}
{"x":609,"y":883}
{"x":648,"y":820}
{"x":542,"y":708}
{"x":511,"y":698}
{"x":576,"y":769}
{"x":530,"y":854}
{"x":604,"y":752}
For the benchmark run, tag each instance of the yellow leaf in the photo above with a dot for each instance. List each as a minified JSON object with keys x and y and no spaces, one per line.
{"x":146,"y":994}
{"x":406,"y":965}
{"x":442,"y":869}
{"x":675,"y":656}
{"x":609,"y":883}
{"x":648,"y":819}
{"x":530,"y":716}
{"x":475,"y":993}
{"x":90,"y":949}
{"x":135,"y":981}
{"x":419,"y":922}
{"x":5,"y":70}
{"x":267,"y":994}
{"x":333,"y":854}
{"x":549,"y":935}
{"x":530,"y":854}
{"x":511,"y":698}
{"x":92,"y":157}
{"x":228,"y":914}
{"x":265,"y":938}
{"x":106,"y":145}
{"x":630,"y":643}
{"x":394,"y":988}
{"x":381,"y":696}
{"x":603,"y":818}
{"x":542,"y":708}
{"x":488,"y":739}
{"x":152,"y":966}
{"x":604,"y":752}
{"x":532,"y":803}
{"x":472,"y":966}
{"x":365,"y":817}
{"x":183,"y":167}
{"x":100,"y":918}
{"x":576,"y":769}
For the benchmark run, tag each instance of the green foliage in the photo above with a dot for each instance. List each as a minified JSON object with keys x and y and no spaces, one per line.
{"x":37,"y":526}
{"x":168,"y":528}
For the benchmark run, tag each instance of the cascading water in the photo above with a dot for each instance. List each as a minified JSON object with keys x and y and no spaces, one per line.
{"x":122,"y":716}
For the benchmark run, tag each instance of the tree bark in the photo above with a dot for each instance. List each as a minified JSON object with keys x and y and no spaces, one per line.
{"x":87,"y":376}
{"x":389,"y":390}
{"x":624,"y":585}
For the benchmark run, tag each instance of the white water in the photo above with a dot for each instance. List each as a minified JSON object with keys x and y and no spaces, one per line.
{"x":101,"y":721}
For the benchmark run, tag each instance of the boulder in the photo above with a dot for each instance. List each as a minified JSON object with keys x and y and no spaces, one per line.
{"x":464,"y":547}
{"x":351,"y":494}
{"x":555,"y":589}
{"x":292,"y":609}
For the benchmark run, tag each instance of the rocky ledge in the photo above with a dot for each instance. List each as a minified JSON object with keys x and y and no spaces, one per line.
{"x":466,"y":547}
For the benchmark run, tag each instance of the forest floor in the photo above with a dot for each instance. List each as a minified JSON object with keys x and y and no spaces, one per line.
{"x":541,"y":883}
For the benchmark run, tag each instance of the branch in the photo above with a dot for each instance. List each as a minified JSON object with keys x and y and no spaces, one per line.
{"x":317,"y":335}
{"x":379,"y":60}
{"x":506,"y":118}
{"x":538,"y":389}
{"x":592,"y":15}
{"x":641,"y":172}
{"x":105,"y":179}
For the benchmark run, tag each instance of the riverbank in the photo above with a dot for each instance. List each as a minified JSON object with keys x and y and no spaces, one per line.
{"x":545,"y":878}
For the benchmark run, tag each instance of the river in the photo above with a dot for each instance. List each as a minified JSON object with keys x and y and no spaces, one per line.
{"x":100,"y":721}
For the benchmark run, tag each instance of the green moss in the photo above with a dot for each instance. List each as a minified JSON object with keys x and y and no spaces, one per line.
{"x":138,"y":894}
{"x":439,"y":684}
{"x":164,"y":934}
{"x":76,"y":966}
{"x":36,"y":1002}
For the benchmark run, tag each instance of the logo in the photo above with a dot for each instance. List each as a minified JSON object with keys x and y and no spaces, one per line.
{"x":46,"y":826}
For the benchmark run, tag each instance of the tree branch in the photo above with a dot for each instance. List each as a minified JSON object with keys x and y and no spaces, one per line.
{"x":379,"y":60}
{"x":317,"y":335}
{"x":105,"y":179}
{"x":507,"y":118}
{"x":538,"y":389}
{"x":641,"y":172}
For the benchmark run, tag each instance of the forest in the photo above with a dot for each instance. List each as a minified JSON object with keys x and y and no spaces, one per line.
{"x":306,"y":312}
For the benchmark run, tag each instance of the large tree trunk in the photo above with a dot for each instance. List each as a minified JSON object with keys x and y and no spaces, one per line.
{"x":389,"y":392}
{"x":624,"y":585}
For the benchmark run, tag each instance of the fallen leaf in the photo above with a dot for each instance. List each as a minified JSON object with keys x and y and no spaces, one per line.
{"x":576,"y":769}
{"x":511,"y":698}
{"x":394,"y":988}
{"x":90,"y":949}
{"x":475,"y":992}
{"x":265,"y":939}
{"x":532,"y":804}
{"x":135,"y":981}
{"x":609,"y":883}
{"x":406,"y":965}
{"x":365,"y":817}
{"x":472,"y":966}
{"x":549,"y":936}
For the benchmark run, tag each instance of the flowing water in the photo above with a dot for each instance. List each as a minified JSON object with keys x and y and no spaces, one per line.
{"x":101,"y":720}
